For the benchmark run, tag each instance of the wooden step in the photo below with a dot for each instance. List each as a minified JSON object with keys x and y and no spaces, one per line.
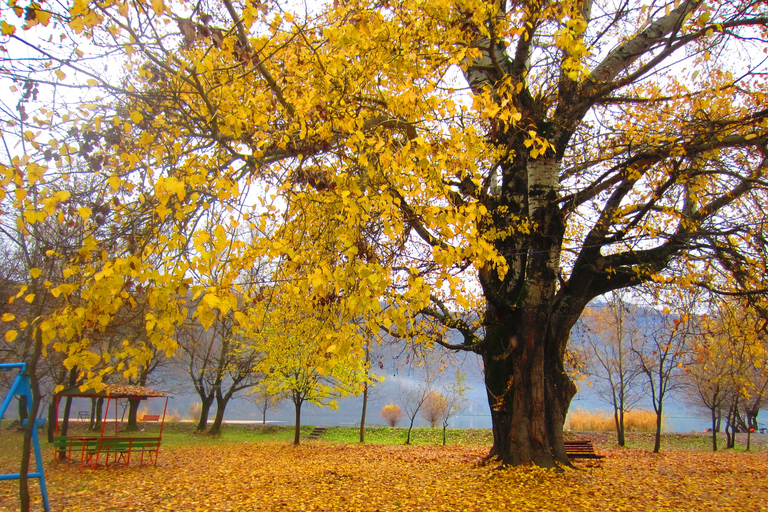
{"x":317,"y":432}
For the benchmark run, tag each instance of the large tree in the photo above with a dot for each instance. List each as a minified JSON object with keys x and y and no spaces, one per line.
{"x":515,"y":159}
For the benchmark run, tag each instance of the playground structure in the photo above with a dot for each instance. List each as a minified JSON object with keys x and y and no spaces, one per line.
{"x":22,"y":387}
{"x":120,"y":448}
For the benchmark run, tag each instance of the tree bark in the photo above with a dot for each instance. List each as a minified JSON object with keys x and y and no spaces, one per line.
{"x":205,"y":409}
{"x":529,"y":393}
{"x":362,"y":416}
{"x":221,"y":405}
{"x":618,"y":417}
{"x":51,"y":420}
{"x":133,"y":416}
{"x":297,"y":426}
{"x":714,"y":430}
{"x":30,"y":427}
{"x":657,"y":442}
{"x":65,"y":419}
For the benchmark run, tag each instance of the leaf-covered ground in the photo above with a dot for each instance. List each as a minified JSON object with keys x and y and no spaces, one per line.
{"x":248,"y":476}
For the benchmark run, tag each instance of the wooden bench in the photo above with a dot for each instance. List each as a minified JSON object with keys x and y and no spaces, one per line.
{"x":151,"y":417}
{"x":581,"y":450}
{"x":63,"y":448}
{"x":123,"y":447}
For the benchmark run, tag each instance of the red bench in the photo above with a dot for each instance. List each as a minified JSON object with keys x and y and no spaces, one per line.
{"x":150,"y":417}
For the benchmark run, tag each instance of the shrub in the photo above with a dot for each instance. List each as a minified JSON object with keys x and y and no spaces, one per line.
{"x":392,"y":414}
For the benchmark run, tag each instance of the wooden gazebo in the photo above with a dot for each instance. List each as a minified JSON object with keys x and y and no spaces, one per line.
{"x":119,"y":448}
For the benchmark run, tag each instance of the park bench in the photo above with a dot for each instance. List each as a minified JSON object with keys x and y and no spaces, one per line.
{"x":151,"y":417}
{"x":123,"y":447}
{"x":581,"y":450}
{"x":62,"y":448}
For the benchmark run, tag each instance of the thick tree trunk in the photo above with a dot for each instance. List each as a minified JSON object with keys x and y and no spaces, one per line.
{"x":221,"y":405}
{"x":133,"y":416}
{"x":205,"y":410}
{"x":23,"y":409}
{"x":529,"y":393}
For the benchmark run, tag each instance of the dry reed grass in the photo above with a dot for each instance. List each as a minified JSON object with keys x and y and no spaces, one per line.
{"x":639,"y":420}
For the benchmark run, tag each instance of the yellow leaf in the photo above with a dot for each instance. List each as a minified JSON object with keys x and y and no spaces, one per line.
{"x":42,"y":17}
{"x":7,"y":29}
{"x":35,"y":272}
{"x":60,"y":74}
{"x":85,"y":212}
{"x":30,"y":298}
{"x":137,"y":116}
{"x":8,"y":317}
{"x":158,"y":7}
{"x":10,"y":336}
{"x":92,"y":82}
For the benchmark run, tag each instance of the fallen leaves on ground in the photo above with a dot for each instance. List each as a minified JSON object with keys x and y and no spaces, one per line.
{"x":336,"y":477}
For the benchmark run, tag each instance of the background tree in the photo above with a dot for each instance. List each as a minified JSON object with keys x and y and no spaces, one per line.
{"x":706,"y":381}
{"x":434,"y":407}
{"x":607,"y":333}
{"x":413,"y":396}
{"x":264,"y":399}
{"x":455,"y":399}
{"x":660,"y":351}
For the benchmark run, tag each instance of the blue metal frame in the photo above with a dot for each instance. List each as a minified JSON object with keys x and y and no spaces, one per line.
{"x":21,"y":386}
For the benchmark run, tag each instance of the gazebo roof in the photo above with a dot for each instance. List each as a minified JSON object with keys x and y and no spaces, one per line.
{"x":114,"y":391}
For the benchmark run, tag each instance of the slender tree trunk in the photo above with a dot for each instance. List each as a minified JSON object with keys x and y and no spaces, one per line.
{"x":67,"y":413}
{"x":68,"y":402}
{"x":30,"y":427}
{"x":714,"y":430}
{"x":445,"y":427}
{"x":410,"y":427}
{"x":362,"y":416}
{"x":618,"y":418}
{"x":51,"y":420}
{"x":94,"y":415}
{"x":657,"y":442}
{"x":264,"y":412}
{"x":297,"y":426}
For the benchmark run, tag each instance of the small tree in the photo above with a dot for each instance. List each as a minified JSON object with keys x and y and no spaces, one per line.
{"x":266,"y":399}
{"x":660,"y":356}
{"x":392,"y":414}
{"x":606,"y":334}
{"x":413,"y":398}
{"x":434,"y":407}
{"x":455,"y":399}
